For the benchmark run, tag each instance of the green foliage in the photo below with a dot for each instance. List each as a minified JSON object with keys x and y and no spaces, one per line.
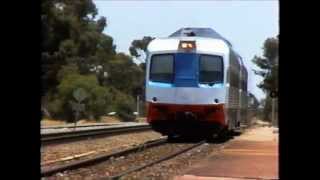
{"x":76,"y":54}
{"x":269,"y":65}
{"x":126,"y":111}
{"x":67,"y":70}
{"x":70,"y":33}
{"x":123,"y":104}
{"x":95,"y":103}
{"x":140,"y":44}
{"x":100,"y":100}
{"x":124,"y":74}
{"x":266,"y":110}
{"x":138,"y":49}
{"x":55,"y":107}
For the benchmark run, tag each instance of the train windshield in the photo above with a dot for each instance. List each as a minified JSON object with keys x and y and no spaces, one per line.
{"x":162,"y":68}
{"x":210,"y":69}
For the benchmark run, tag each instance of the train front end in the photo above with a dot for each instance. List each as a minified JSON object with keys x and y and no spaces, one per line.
{"x":185,"y":85}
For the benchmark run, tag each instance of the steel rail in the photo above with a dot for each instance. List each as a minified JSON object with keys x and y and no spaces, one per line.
{"x":117,"y":176}
{"x":70,"y":126}
{"x":103,"y":157}
{"x":72,"y":135}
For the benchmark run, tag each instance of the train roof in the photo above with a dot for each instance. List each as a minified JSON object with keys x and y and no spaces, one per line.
{"x":199,"y":32}
{"x":202,"y":44}
{"x":206,"y":39}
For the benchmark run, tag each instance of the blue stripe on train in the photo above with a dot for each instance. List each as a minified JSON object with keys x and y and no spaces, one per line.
{"x":186,"y":68}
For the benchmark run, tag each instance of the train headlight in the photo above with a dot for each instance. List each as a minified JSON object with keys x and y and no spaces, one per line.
{"x":184,"y":45}
{"x":187,"y":45}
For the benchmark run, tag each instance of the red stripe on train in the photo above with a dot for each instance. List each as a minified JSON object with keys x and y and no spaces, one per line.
{"x":208,"y":113}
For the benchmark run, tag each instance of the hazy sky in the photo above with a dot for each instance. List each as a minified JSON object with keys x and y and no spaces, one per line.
{"x":246,"y":24}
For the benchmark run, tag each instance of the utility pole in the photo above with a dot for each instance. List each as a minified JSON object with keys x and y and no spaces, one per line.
{"x":138,"y":99}
{"x":273,"y":95}
{"x":273,"y":110}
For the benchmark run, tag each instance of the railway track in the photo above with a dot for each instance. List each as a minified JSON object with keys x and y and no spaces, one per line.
{"x":170,"y":156}
{"x":94,"y":160}
{"x":52,"y":138}
{"x":135,"y":151}
{"x":79,"y":126}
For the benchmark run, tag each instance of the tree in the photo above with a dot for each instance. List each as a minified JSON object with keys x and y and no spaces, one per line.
{"x":76,"y":53}
{"x":95,"y":104}
{"x":268,"y":65}
{"x":253,"y":103}
{"x":71,"y":35}
{"x":138,"y":47}
{"x":125,"y":75}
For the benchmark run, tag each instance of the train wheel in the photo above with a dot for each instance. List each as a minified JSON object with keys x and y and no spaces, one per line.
{"x":211,"y":137}
{"x":224,"y":134}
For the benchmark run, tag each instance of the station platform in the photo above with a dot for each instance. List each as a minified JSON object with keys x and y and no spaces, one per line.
{"x":252,"y":155}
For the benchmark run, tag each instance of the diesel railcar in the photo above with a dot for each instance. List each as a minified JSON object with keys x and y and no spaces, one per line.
{"x":196,"y":83}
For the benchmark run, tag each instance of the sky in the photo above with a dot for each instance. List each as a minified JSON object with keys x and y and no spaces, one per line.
{"x":246,"y":24}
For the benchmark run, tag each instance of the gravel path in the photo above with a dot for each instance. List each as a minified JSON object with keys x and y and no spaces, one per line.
{"x":110,"y":144}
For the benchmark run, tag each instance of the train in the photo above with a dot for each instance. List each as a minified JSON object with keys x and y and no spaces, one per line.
{"x":196,"y":84}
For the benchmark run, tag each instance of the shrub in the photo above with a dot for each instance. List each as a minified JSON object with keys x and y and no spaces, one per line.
{"x":125,"y":111}
{"x":97,"y":96}
{"x":99,"y":101}
{"x":123,"y":104}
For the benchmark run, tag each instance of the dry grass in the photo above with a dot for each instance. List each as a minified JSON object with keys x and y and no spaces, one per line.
{"x":258,"y":122}
{"x":110,"y":119}
{"x":259,"y":133}
{"x":51,"y":122}
{"x":56,"y":122}
{"x":141,"y":119}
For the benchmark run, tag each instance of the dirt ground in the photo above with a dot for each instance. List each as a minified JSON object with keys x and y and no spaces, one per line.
{"x":265,"y":133}
{"x":141,"y":119}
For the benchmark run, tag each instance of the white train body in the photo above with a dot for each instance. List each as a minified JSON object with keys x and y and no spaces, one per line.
{"x":206,"y":74}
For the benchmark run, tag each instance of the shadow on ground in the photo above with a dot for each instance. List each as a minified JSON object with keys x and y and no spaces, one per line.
{"x":212,"y":139}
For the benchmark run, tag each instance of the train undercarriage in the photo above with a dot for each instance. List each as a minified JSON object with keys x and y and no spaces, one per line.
{"x":187,"y":120}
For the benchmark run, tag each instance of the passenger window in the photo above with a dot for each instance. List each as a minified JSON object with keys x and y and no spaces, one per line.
{"x":161,"y":69}
{"x":210,"y":69}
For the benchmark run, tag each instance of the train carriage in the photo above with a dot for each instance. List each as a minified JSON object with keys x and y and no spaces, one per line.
{"x":195,"y":83}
